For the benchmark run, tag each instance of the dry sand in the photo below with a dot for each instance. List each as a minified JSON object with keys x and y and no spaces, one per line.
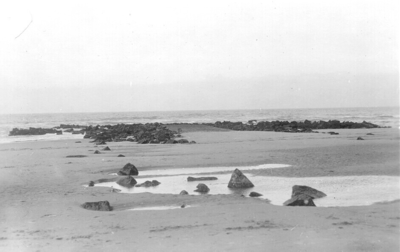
{"x":41,"y":192}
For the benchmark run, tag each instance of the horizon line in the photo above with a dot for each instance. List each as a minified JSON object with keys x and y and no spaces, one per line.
{"x":189,"y":110}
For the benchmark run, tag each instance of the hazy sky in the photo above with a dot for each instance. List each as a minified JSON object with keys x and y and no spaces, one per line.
{"x":92,"y":56}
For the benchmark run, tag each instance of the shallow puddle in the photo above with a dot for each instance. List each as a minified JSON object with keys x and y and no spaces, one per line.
{"x":206,"y":170}
{"x":341,"y":191}
{"x":158,"y":208}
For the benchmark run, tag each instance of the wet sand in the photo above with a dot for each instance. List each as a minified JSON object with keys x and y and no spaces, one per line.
{"x":42,"y":191}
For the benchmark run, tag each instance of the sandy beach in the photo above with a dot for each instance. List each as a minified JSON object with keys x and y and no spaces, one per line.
{"x":42,"y":190}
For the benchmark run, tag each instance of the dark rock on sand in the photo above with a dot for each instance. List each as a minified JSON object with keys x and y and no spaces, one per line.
{"x":91,"y":183}
{"x":120,"y":155}
{"x":97,"y":152}
{"x":192,"y":142}
{"x":370,"y":134}
{"x":183,"y":141}
{"x":107,"y":148}
{"x":255,"y":194}
{"x":300,"y":200}
{"x":306,"y":190}
{"x":76,"y":156}
{"x":128,"y":170}
{"x":127,"y":182}
{"x":239,"y":180}
{"x":97,"y":206}
{"x":201,"y":178}
{"x":202,"y":188}
{"x":360,"y":138}
{"x":149,"y":183}
{"x":183,"y":192}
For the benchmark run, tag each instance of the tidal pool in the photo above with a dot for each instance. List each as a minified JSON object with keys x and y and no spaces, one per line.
{"x":206,"y":170}
{"x":341,"y":190}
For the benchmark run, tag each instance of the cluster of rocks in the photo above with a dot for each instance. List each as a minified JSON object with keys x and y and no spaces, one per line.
{"x":293,"y":126}
{"x":130,"y":170}
{"x":33,"y":131}
{"x":149,"y":133}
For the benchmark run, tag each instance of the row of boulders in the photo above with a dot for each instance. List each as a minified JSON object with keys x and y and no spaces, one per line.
{"x":293,"y":126}
{"x":158,"y":133}
{"x":33,"y":131}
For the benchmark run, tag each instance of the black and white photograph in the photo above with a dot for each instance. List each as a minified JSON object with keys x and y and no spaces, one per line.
{"x":199,"y":126}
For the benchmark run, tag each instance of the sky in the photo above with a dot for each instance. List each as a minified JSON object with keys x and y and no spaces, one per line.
{"x":95,"y":56}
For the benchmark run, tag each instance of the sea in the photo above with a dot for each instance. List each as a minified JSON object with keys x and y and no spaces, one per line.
{"x":382,"y":116}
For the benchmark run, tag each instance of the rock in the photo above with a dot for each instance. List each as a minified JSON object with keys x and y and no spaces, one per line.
{"x":300,"y":200}
{"x":107,"y":148}
{"x":183,"y":141}
{"x":127,"y":182}
{"x":171,"y":141}
{"x":255,"y":194}
{"x":91,"y":183}
{"x":100,"y":143}
{"x":97,"y":206}
{"x":149,"y":183}
{"x":239,"y":180}
{"x":360,"y":138}
{"x":370,"y":134}
{"x":76,"y":156}
{"x":128,"y":170}
{"x":183,"y":192}
{"x":192,"y":142}
{"x":183,"y":206}
{"x":202,"y":188}
{"x":97,"y":152}
{"x":59,"y":132}
{"x":78,"y":142}
{"x":201,"y":178}
{"x":120,"y":155}
{"x":313,"y":193}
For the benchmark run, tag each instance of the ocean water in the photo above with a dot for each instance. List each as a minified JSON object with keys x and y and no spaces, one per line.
{"x":384,"y":116}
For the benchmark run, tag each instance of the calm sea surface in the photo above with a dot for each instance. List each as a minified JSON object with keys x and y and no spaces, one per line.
{"x":388,"y":116}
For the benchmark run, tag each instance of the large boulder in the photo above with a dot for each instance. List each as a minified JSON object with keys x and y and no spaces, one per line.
{"x":97,"y":206}
{"x":314,"y":193}
{"x":127,"y":182}
{"x":128,"y":170}
{"x":201,"y":178}
{"x":239,"y":180}
{"x":107,"y":148}
{"x":300,"y":200}
{"x":202,"y":188}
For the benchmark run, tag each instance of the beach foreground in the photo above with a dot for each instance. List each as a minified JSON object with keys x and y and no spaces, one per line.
{"x":42,"y":191}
